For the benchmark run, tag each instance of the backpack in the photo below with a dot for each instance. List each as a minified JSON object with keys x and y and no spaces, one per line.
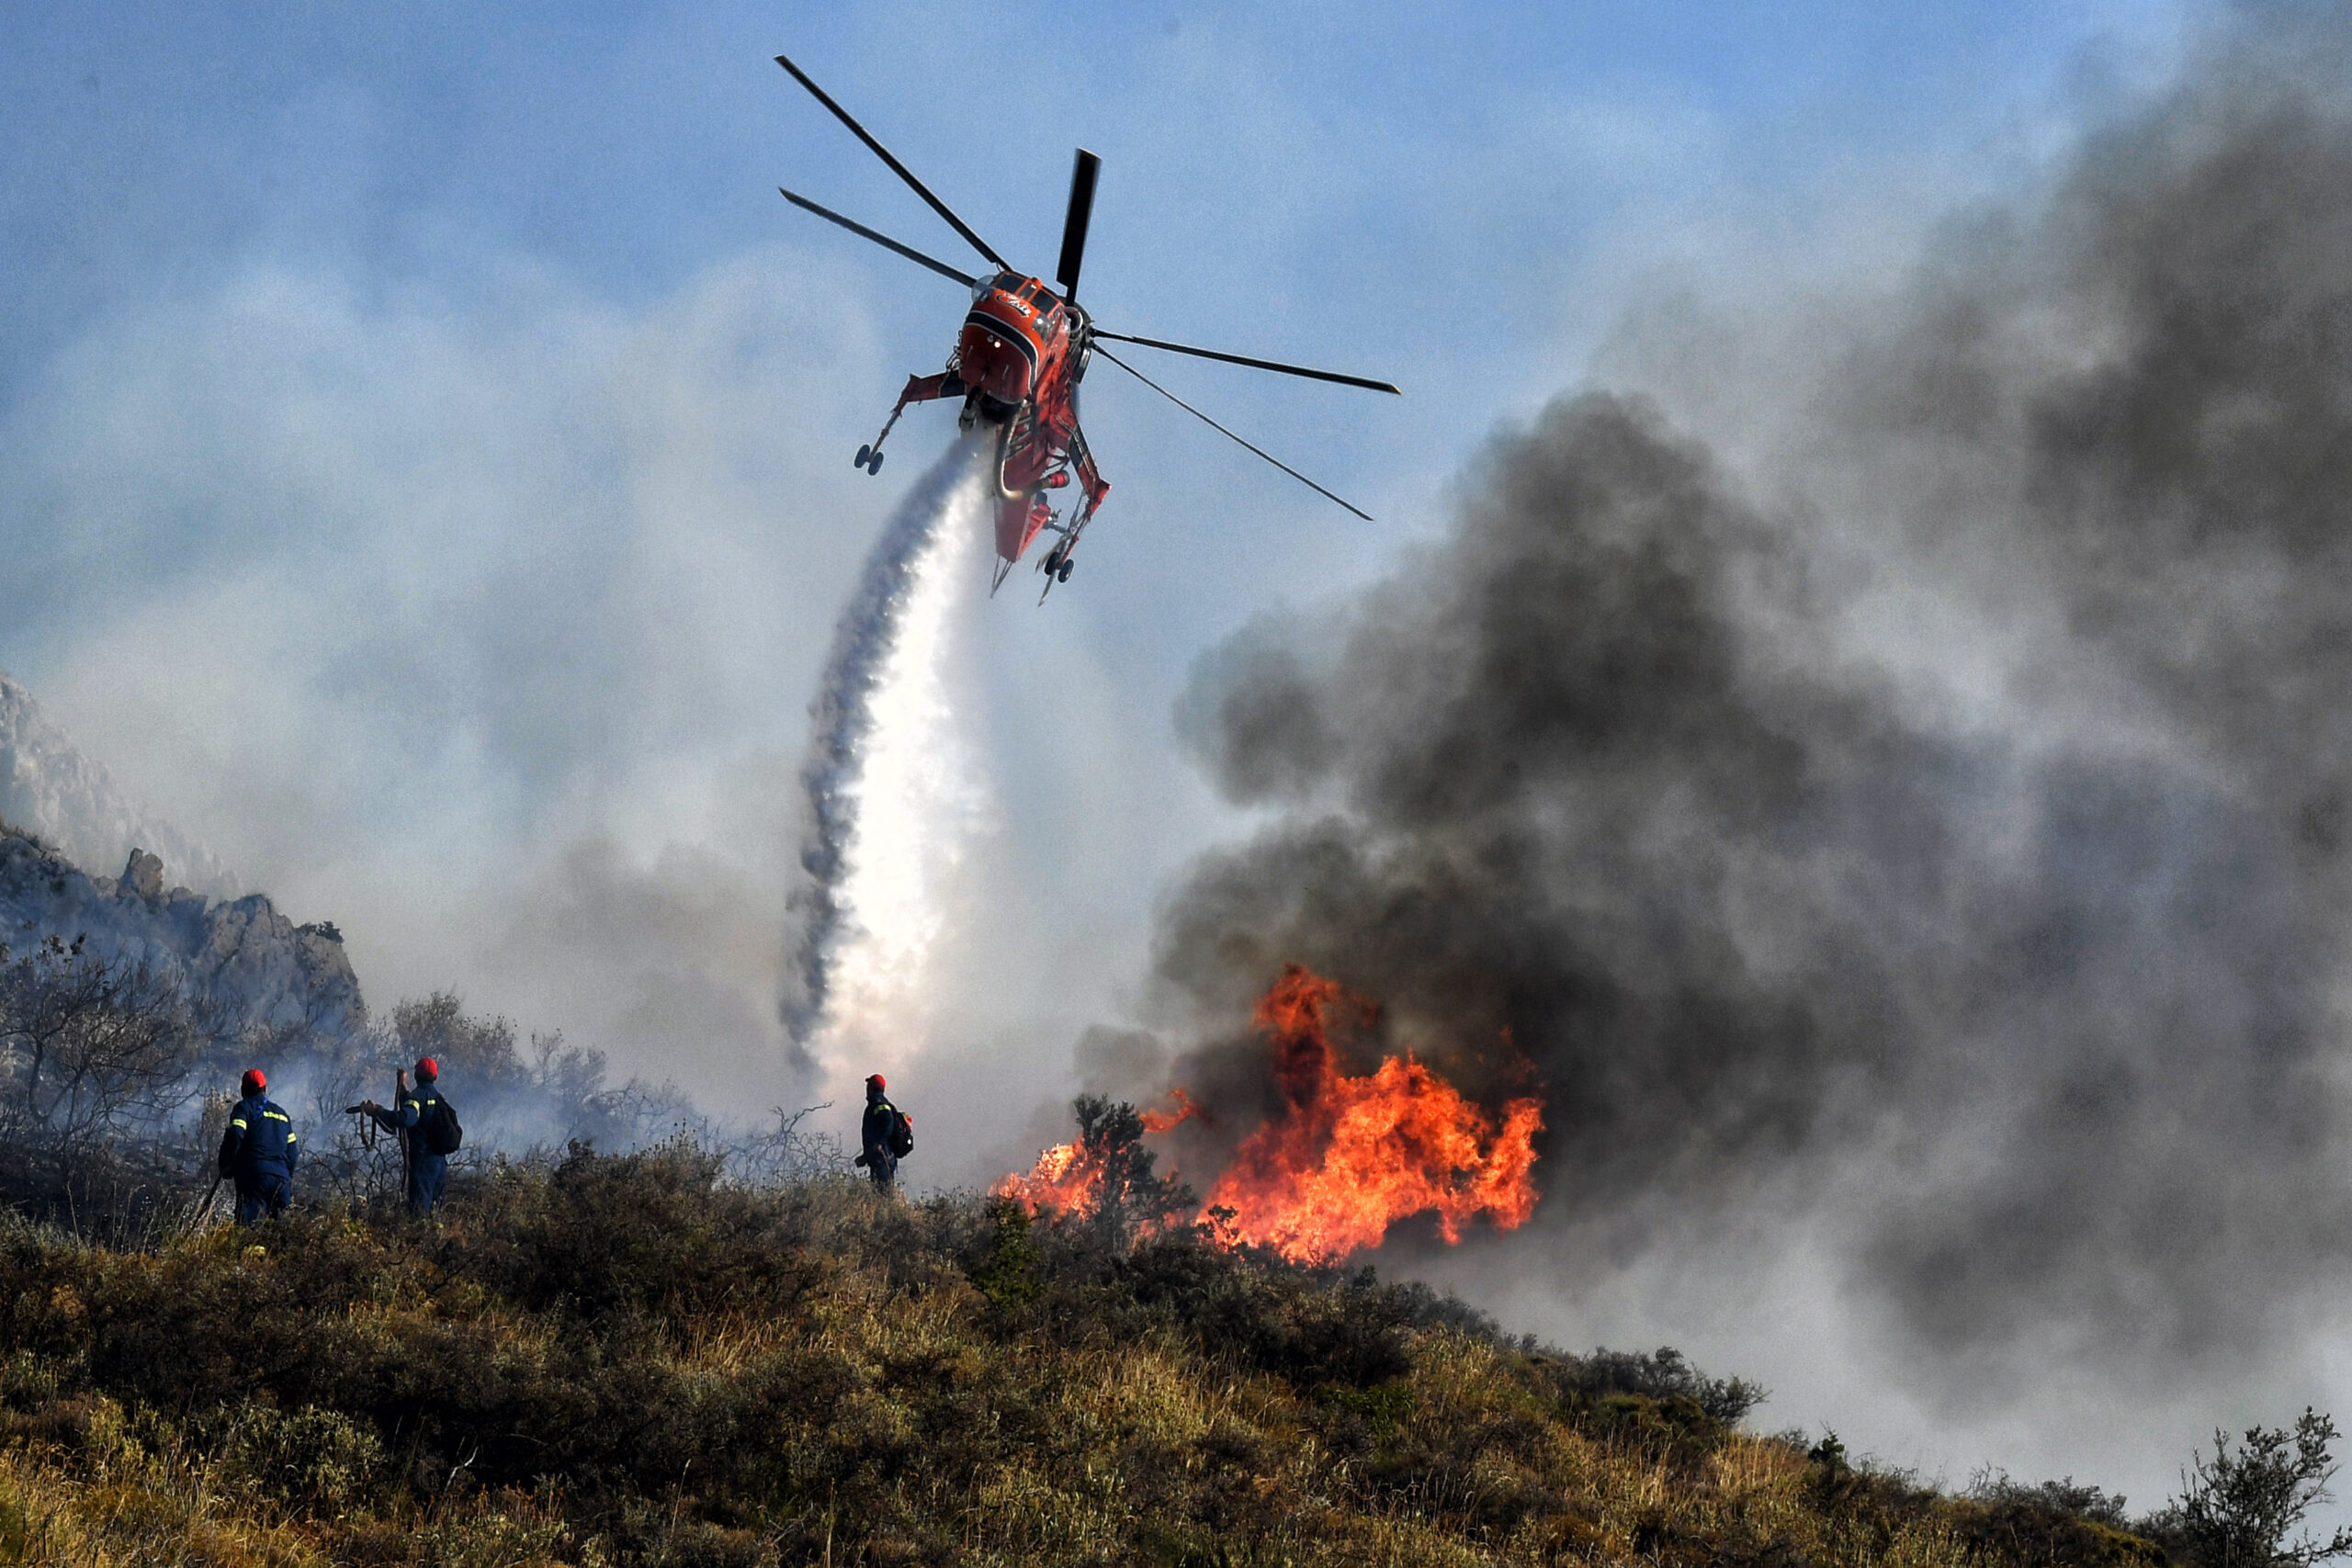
{"x":442,"y":1135}
{"x":902,"y":1133}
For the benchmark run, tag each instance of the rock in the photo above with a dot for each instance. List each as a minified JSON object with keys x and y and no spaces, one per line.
{"x":144,"y":877}
{"x":250,"y":973}
{"x":250,"y":970}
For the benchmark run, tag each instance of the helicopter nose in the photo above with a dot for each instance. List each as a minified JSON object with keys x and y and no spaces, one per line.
{"x":993,"y":365}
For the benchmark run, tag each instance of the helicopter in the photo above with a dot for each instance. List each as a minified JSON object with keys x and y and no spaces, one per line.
{"x":1017,"y":363}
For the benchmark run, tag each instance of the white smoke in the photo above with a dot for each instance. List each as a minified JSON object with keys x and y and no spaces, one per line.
{"x":898,"y":793}
{"x":50,"y":788}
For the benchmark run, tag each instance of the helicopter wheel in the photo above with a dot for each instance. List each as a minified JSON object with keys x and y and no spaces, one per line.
{"x":873,"y":464}
{"x":1063,"y":575}
{"x":863,"y":454}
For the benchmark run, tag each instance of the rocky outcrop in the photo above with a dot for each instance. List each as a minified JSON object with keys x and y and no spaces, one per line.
{"x":253,"y":972}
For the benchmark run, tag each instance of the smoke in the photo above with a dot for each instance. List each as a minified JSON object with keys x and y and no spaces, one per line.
{"x":888,"y":787}
{"x":49,"y":787}
{"x":1888,"y":759}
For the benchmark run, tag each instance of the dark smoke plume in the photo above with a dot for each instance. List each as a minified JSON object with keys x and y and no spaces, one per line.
{"x":1960,"y":792}
{"x":839,"y":720}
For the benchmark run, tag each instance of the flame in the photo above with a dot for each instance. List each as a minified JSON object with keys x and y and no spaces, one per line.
{"x":1068,"y":1177}
{"x":1349,"y":1156}
{"x":1066,"y":1180}
{"x":1160,"y":1121}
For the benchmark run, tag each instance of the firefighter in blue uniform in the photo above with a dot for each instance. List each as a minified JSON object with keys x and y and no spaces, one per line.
{"x":422,"y":1119}
{"x":258,"y":1150}
{"x":886,"y":1137}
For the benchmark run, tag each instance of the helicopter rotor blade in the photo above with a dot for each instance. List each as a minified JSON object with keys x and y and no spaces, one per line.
{"x":1229,"y":435}
{"x":887,"y":243}
{"x":1081,"y":211}
{"x":896,"y":167}
{"x":1363,"y":381}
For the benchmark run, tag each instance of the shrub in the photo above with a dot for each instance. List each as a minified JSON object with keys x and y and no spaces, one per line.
{"x":2057,"y":1522}
{"x":305,"y":1462}
{"x":1010,"y":1272}
{"x":2239,"y":1508}
{"x":1661,"y":1376}
{"x":1300,"y":1324}
{"x":631,"y":1359}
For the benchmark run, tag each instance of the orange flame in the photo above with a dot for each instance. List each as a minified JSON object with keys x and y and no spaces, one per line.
{"x":1349,"y":1156}
{"x":1160,"y":1121}
{"x":1066,"y":1180}
{"x":1068,"y":1177}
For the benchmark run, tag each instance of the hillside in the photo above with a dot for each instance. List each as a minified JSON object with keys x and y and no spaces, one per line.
{"x":607,"y":1359}
{"x":255,"y":975}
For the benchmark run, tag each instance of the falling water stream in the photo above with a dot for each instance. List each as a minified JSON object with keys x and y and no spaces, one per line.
{"x":893,"y":787}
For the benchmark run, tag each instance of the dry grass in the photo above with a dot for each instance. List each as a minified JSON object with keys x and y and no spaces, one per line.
{"x":620,"y":1361}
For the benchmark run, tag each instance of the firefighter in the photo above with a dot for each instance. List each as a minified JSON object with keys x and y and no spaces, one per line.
{"x":428,"y":1132}
{"x":888,"y":1135}
{"x":258,"y":1150}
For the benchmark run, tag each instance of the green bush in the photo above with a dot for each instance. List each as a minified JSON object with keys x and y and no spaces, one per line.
{"x":1010,"y":1273}
{"x":2246,"y":1506}
{"x":305,"y":1462}
{"x":2056,"y":1522}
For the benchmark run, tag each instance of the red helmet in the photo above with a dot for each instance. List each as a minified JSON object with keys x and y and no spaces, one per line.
{"x":426,"y":1067}
{"x":256,"y":1080}
{"x":875,"y":1080}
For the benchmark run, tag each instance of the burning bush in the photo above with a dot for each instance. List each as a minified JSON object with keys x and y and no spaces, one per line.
{"x":1347,"y":1157}
{"x":1105,"y":1177}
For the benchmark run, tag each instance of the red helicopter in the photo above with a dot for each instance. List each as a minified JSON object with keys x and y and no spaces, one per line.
{"x":1017,"y":365}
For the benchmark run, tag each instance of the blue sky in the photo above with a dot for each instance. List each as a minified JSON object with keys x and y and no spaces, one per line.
{"x":1307,"y":162}
{"x":424,"y":432}
{"x":1455,"y":198}
{"x":622,"y":139}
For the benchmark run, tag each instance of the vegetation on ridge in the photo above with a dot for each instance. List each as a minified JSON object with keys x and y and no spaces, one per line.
{"x":626,"y":1359}
{"x":727,"y":1352}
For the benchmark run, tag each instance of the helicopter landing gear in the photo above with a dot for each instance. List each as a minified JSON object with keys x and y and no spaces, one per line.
{"x":1057,"y":564}
{"x":870,"y":457}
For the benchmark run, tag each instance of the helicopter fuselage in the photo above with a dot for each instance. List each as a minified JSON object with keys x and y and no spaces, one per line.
{"x":1016,"y":365}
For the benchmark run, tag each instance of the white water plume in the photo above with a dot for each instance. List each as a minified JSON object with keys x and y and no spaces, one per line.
{"x":897,"y":791}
